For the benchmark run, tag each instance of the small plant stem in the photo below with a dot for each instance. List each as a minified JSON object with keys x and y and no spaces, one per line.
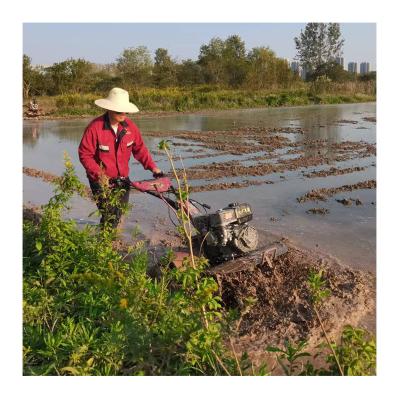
{"x":220,"y":363}
{"x":183,"y":214}
{"x":188,"y":234}
{"x":252,"y":369}
{"x":328,"y":341}
{"x":187,"y":211}
{"x":236,"y":359}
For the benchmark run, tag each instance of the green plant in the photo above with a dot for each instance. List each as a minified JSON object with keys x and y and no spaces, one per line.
{"x":90,"y":311}
{"x":289,"y":358}
{"x":319,"y":292}
{"x":356,"y":353}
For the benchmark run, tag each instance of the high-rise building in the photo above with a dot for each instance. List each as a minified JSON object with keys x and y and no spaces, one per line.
{"x":295,"y":67}
{"x":352,"y":67}
{"x":364,"y":68}
{"x":340,"y":61}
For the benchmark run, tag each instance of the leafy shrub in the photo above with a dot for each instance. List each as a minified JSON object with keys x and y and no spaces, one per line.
{"x":89,"y":311}
{"x":356,"y":352}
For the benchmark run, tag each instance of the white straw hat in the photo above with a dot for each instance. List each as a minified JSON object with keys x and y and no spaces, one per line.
{"x":117,"y":100}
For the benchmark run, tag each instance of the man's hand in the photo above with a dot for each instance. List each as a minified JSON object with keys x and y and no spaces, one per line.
{"x":157,"y":173}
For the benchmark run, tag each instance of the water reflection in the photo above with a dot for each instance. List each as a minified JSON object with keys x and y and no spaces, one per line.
{"x":31,"y":134}
{"x":320,"y":122}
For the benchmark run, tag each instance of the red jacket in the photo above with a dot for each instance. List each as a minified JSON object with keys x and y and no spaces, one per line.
{"x":102,"y":150}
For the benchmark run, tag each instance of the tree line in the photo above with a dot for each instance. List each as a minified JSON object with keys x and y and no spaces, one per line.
{"x":221,"y":63}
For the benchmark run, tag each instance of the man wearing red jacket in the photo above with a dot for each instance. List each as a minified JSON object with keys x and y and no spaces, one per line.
{"x":105,"y":150}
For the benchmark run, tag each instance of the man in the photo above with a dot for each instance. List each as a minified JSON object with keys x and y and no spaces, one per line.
{"x":105,"y":150}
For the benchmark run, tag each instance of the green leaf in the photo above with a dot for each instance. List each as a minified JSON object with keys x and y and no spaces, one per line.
{"x":305,"y":354}
{"x":38,"y":246}
{"x":71,"y":370}
{"x":274,"y":349}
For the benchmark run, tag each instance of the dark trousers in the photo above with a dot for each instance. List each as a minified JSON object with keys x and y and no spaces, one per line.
{"x":110,"y":214}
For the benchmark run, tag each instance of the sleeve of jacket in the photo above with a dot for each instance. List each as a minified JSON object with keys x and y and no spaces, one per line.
{"x":141,"y":153}
{"x":87,"y":151}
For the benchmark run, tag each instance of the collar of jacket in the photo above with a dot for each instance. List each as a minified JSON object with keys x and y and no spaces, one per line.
{"x":107,"y":124}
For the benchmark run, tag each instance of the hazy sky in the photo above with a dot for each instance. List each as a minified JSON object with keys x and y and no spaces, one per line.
{"x":47,"y":43}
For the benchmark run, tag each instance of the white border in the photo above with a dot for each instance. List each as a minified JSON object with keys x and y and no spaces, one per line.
{"x":205,"y":11}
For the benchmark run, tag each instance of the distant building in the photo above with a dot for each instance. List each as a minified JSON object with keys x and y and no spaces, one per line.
{"x":364,"y":68}
{"x":303,"y":73}
{"x":295,"y":67}
{"x":352,"y":67}
{"x":340,"y":61}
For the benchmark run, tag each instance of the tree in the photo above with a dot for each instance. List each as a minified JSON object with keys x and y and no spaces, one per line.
{"x":224,"y":62}
{"x":164,"y":71}
{"x":70,"y":76}
{"x":319,"y":44}
{"x":135,"y":66}
{"x":189,"y":73}
{"x":32,"y":78}
{"x":210,"y":59}
{"x":234,"y":60}
{"x":333,"y":71}
{"x":266,"y":70}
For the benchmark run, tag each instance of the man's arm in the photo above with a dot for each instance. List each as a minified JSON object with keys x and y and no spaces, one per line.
{"x":87,"y":151}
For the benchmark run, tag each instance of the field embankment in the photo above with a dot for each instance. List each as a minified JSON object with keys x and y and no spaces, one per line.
{"x":211,"y":98}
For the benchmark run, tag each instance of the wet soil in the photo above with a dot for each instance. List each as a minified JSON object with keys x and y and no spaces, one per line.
{"x":347,"y":121}
{"x":283,"y":308}
{"x":349,"y":202}
{"x":333,"y":171}
{"x":45,"y":176}
{"x":276,"y":153}
{"x":321,"y":211}
{"x":234,"y":169}
{"x":323,"y":194}
{"x":226,"y":186}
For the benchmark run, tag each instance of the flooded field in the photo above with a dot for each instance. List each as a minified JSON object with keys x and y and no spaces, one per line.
{"x":308,"y":172}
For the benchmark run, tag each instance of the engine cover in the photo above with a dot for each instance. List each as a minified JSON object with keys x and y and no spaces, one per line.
{"x":246,"y":239}
{"x":226,"y":232}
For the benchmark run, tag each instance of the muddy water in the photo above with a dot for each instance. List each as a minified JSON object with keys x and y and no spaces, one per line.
{"x":345,"y":232}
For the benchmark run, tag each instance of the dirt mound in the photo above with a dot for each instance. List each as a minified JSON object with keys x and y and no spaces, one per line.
{"x":283,"y":307}
{"x":324,"y":193}
{"x":333,"y":171}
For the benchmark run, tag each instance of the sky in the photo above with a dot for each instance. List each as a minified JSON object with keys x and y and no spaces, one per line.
{"x":47,"y":43}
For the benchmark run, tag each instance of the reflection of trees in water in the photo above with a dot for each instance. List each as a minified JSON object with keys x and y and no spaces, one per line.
{"x":69,"y":131}
{"x":31,"y":134}
{"x":319,"y":124}
{"x":66,"y":131}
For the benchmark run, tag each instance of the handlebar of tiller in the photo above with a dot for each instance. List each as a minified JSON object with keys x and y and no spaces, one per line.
{"x":156,"y":187}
